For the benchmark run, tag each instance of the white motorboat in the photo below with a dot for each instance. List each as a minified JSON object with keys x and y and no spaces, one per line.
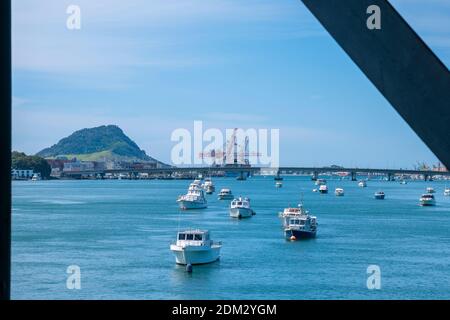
{"x":197,"y":182}
{"x":362,"y":184}
{"x":427,"y":199}
{"x":430,"y":190}
{"x":36,"y":177}
{"x":240,"y":208}
{"x":320,"y":182}
{"x":301,"y":227}
{"x":447,"y":192}
{"x":194,"y":199}
{"x":290,"y":212}
{"x":225,"y":194}
{"x":339,"y":192}
{"x":323,"y":188}
{"x":195,"y":247}
{"x":298,"y":223}
{"x":379,"y":195}
{"x":278,"y":184}
{"x":209,"y":186}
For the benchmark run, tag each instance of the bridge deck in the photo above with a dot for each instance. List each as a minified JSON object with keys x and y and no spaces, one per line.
{"x":315,"y":170}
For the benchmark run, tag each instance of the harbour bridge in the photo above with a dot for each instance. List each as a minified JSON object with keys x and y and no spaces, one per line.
{"x":248,"y":170}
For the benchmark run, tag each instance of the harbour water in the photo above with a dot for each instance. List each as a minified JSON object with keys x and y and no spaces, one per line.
{"x":118,"y":232}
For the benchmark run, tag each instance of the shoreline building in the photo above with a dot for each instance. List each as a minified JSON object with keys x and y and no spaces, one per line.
{"x":21,"y":174}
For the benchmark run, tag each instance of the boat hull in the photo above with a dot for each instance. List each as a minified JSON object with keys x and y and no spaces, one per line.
{"x":190,"y":205}
{"x":427,"y":203}
{"x":299,"y":234}
{"x":241,"y":213}
{"x":195,"y":254}
{"x":226,"y":197}
{"x":379,"y":197}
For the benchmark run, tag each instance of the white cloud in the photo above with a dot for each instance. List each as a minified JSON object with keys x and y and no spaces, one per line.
{"x":150,"y":34}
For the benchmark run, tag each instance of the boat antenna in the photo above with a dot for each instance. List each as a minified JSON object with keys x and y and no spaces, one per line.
{"x":179,"y":216}
{"x":301,"y":199}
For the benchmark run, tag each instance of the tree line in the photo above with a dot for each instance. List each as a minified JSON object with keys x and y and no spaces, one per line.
{"x":20,"y":160}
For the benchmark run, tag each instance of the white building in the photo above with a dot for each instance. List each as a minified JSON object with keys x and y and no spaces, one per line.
{"x":21,"y":174}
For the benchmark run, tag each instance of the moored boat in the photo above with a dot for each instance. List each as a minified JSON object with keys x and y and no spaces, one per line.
{"x":225,"y":194}
{"x":194,"y":199}
{"x":278,"y":184}
{"x":240,"y":208}
{"x":362,"y":184}
{"x":339,"y":192}
{"x":195,"y":247}
{"x":323,"y":188}
{"x":209,"y":186}
{"x":300,"y":226}
{"x":427,"y":199}
{"x":290,"y":212}
{"x":430,"y":190}
{"x":320,"y":182}
{"x":379,"y":195}
{"x":447,"y":192}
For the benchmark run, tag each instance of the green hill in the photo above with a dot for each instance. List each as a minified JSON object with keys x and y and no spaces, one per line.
{"x":97,"y":144}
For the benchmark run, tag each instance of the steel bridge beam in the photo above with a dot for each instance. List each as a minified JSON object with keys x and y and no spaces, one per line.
{"x":396,"y":60}
{"x":5,"y":146}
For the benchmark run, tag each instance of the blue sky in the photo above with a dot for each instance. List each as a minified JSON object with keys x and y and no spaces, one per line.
{"x":154,"y":66}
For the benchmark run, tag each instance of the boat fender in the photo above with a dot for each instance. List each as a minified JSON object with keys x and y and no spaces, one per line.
{"x":189,"y":268}
{"x":293,"y":238}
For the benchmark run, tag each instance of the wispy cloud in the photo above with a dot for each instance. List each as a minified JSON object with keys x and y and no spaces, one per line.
{"x":116,"y":35}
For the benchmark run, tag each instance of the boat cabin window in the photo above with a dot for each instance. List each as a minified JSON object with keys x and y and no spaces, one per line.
{"x":190,"y":237}
{"x":198,"y":237}
{"x":239,"y":203}
{"x":181,"y":236}
{"x":298,"y":222}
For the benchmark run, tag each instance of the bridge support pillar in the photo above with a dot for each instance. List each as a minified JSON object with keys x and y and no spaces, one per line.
{"x":389,"y":176}
{"x":315,"y":176}
{"x":353,"y":174}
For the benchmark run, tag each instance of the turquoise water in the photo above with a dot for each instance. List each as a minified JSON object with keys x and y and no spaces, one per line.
{"x":118,"y":232}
